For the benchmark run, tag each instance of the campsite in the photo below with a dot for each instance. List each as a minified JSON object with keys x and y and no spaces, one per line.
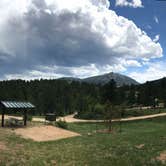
{"x":45,"y":128}
{"x":82,"y":83}
{"x":137,"y":141}
{"x":135,"y":147}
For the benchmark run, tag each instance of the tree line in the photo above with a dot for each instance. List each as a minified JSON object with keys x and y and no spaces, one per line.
{"x":89,"y":100}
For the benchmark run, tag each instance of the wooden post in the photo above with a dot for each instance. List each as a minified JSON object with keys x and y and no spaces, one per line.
{"x":3,"y":118}
{"x":25,"y":117}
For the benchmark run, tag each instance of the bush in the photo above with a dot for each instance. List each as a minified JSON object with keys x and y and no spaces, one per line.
{"x":29,"y":118}
{"x":93,"y":112}
{"x":100,"y":112}
{"x":62,"y":124}
{"x":13,"y":122}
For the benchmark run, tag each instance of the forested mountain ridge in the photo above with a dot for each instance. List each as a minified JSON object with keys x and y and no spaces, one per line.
{"x":58,"y":96}
{"x":105,"y":78}
{"x":64,"y":97}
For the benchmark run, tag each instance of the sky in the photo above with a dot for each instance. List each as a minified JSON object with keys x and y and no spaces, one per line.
{"x":81,"y":38}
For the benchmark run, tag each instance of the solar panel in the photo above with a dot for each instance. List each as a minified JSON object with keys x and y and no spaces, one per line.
{"x":5,"y":104}
{"x":29,"y":104}
{"x":17,"y":105}
{"x":13,"y":104}
{"x":8,"y":104}
{"x":22,"y":105}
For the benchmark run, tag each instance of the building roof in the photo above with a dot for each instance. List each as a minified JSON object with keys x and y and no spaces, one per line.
{"x":14,"y":104}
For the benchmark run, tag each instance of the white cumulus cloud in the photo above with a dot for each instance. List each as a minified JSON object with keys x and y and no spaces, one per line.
{"x":129,"y":3}
{"x":153,"y":71}
{"x":80,"y":36}
{"x":157,"y":38}
{"x":156,"y":19}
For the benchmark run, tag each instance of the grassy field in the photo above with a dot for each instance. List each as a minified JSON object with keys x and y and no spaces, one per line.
{"x":128,"y":112}
{"x":142,"y":112}
{"x":139,"y":143}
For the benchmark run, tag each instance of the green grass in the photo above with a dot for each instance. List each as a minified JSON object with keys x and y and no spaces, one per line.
{"x":99,"y":149}
{"x":142,"y":112}
{"x":126,"y":113}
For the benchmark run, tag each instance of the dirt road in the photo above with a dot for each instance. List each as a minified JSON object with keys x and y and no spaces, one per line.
{"x":71,"y":119}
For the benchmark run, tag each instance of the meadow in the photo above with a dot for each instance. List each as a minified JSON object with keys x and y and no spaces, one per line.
{"x":137,"y":143}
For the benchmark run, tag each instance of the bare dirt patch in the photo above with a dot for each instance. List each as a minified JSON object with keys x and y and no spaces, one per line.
{"x":3,"y":146}
{"x":45,"y":133}
{"x":162,"y":157}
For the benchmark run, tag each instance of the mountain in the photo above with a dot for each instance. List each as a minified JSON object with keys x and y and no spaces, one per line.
{"x":118,"y":78}
{"x":105,"y":78}
{"x":70,"y":79}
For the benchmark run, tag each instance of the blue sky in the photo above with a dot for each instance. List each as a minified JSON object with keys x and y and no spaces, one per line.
{"x":82,"y":38}
{"x":144,"y":17}
{"x":151,"y":19}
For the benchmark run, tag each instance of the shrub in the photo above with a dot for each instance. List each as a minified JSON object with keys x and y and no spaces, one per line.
{"x":13,"y":122}
{"x":93,"y":112}
{"x":62,"y":124}
{"x":29,"y":118}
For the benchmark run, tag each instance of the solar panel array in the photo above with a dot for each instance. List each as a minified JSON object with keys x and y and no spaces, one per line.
{"x":13,"y":104}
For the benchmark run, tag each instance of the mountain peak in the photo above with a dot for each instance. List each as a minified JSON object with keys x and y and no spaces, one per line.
{"x":105,"y":78}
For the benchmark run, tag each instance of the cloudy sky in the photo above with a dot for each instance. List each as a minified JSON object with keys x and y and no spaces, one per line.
{"x":82,"y":38}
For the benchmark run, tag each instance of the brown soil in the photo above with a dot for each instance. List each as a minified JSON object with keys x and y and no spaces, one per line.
{"x":162,"y":157}
{"x":45,"y":133}
{"x":3,"y":146}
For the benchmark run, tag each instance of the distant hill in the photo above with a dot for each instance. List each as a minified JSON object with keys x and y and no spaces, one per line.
{"x":157,"y":82}
{"x":70,"y":79}
{"x":105,"y":78}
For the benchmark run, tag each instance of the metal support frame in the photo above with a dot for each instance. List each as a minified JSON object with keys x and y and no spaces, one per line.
{"x":3,"y":115}
{"x":25,"y":117}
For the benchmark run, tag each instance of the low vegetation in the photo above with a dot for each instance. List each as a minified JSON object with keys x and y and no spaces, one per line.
{"x":138,"y":143}
{"x":142,"y":112}
{"x":62,"y":124}
{"x":101,"y":113}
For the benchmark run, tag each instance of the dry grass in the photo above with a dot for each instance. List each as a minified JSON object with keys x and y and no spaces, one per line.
{"x":3,"y":146}
{"x":140,"y":146}
{"x":162,"y":157}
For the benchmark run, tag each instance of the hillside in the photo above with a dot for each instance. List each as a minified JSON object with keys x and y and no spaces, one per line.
{"x":105,"y":78}
{"x":118,"y":78}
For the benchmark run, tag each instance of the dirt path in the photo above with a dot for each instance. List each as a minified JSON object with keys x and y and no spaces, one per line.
{"x":144,"y":117}
{"x":71,"y":119}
